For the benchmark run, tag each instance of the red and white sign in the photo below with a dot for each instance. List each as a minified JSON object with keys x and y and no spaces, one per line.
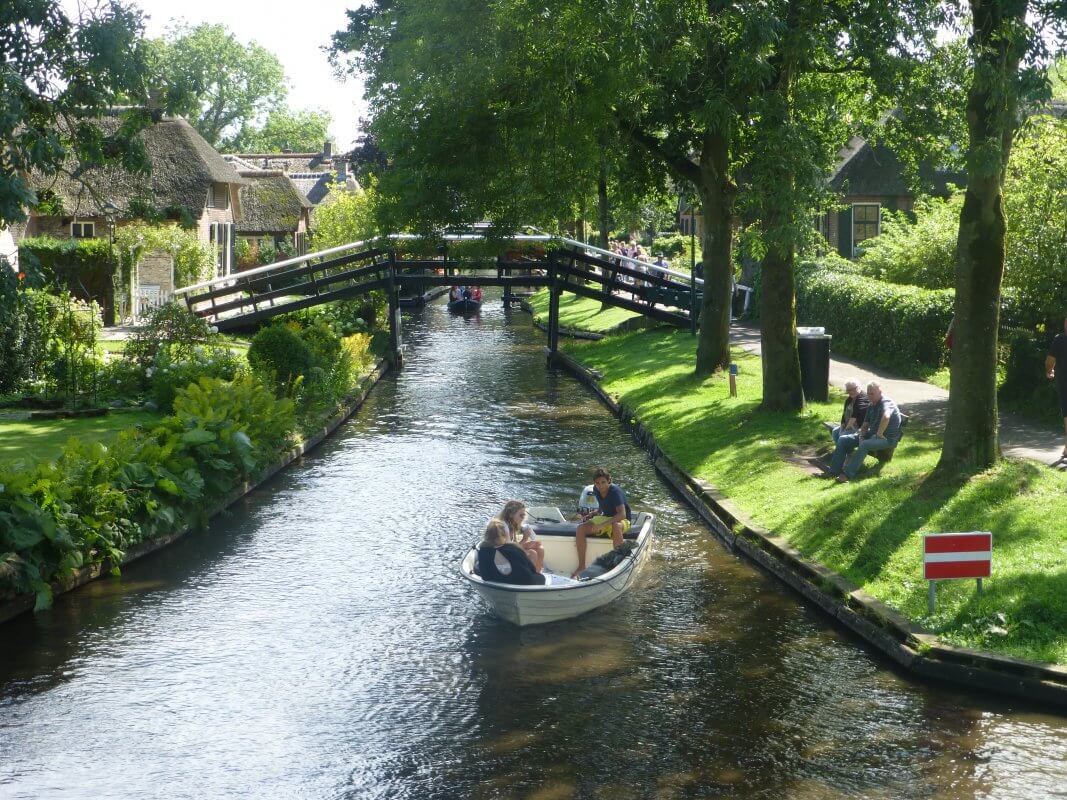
{"x":957,"y":555}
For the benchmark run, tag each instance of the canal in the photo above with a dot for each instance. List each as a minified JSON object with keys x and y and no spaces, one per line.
{"x":317,"y":643}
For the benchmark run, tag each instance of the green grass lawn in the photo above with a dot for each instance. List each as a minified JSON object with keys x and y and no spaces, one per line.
{"x":867,"y":530}
{"x":580,"y":313}
{"x":39,"y":440}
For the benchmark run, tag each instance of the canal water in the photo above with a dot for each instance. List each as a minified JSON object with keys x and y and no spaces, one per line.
{"x":318,"y":643}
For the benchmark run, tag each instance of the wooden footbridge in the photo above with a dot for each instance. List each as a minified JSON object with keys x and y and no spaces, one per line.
{"x":245,"y":299}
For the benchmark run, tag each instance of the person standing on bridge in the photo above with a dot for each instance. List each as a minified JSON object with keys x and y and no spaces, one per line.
{"x":613,"y":517}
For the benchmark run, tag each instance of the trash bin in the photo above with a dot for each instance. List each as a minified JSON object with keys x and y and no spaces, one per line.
{"x":814,"y":346}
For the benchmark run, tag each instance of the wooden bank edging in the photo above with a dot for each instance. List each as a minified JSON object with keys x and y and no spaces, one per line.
{"x":13,"y":606}
{"x":908,"y":644}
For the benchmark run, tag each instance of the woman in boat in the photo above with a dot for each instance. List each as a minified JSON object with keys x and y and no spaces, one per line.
{"x":514,"y":518}
{"x":501,"y":561}
{"x":456,"y":293}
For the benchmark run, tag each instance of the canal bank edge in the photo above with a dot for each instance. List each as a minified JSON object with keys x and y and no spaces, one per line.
{"x":636,"y":323}
{"x":908,"y":644}
{"x":12,"y":606}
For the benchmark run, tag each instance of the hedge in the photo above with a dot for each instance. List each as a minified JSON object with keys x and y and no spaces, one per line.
{"x":83,"y":266}
{"x":901,"y":328}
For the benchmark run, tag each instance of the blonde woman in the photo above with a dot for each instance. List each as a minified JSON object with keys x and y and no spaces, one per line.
{"x":501,"y":561}
{"x":514,"y":518}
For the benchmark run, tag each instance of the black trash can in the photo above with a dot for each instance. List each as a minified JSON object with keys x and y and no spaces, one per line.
{"x":814,"y":346}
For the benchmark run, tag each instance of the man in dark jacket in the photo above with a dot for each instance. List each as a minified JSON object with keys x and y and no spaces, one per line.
{"x":855,"y":409}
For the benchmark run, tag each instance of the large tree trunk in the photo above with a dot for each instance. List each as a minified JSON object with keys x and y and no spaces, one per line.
{"x":603,"y":214}
{"x":782,"y":389}
{"x":717,"y":195}
{"x":971,"y":440}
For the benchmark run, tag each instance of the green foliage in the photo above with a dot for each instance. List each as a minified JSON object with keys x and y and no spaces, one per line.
{"x":193,"y":260}
{"x":920,"y":252}
{"x":59,"y":71}
{"x":225,"y":86}
{"x":18,"y":332}
{"x":671,"y":245}
{"x":345,"y":217}
{"x":96,"y":501}
{"x":345,"y":317}
{"x":900,"y":328}
{"x":66,"y":261}
{"x":279,"y":356}
{"x":171,"y":374}
{"x":171,"y":330}
{"x":284,"y":129}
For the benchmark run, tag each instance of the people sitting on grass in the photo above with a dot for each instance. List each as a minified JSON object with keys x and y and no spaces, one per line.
{"x":519,"y":532}
{"x":855,"y":410}
{"x":1056,"y":369}
{"x":611,"y":519}
{"x":501,"y":561}
{"x":880,"y":431}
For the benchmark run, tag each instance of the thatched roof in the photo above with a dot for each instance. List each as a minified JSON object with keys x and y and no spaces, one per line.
{"x":183,"y":166}
{"x":270,"y":203}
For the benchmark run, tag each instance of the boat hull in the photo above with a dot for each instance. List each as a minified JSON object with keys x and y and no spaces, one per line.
{"x":536,"y":605}
{"x":464,"y":306}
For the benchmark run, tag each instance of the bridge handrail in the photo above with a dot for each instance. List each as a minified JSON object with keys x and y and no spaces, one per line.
{"x":616,"y":256}
{"x":539,"y":236}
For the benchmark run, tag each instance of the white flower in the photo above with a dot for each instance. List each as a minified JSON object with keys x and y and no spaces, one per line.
{"x":214,"y":329}
{"x":148,"y":372}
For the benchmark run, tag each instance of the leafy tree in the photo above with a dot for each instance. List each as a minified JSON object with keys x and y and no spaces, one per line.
{"x":301,"y":131}
{"x":920,"y":252}
{"x":226,"y":86}
{"x":477,"y":106}
{"x":345,"y":217}
{"x":56,"y":74}
{"x":1008,"y":40}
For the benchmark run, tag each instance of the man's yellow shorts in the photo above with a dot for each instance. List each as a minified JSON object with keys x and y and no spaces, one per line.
{"x":602,"y":525}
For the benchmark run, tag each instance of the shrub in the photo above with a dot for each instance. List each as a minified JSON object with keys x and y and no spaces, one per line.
{"x":1025,"y":388}
{"x":17,"y":324}
{"x":345,"y":317}
{"x":920,"y":252}
{"x":71,"y":264}
{"x":901,"y":328}
{"x":168,"y":376}
{"x":172,"y":330}
{"x":279,"y":356}
{"x":671,"y":246}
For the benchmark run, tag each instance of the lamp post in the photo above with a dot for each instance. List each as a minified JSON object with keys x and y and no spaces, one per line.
{"x":110,"y":215}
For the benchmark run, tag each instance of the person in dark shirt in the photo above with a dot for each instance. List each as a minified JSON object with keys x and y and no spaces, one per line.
{"x":1056,"y":369}
{"x":880,"y":431}
{"x":855,"y":409}
{"x":612,"y":517}
{"x":501,"y":561}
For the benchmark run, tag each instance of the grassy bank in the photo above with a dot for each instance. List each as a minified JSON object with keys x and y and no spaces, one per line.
{"x":867,"y":530}
{"x":580,"y":313}
{"x":31,"y":441}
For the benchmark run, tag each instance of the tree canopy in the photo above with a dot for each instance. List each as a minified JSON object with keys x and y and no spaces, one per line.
{"x":300,"y":131}
{"x":57,"y":72}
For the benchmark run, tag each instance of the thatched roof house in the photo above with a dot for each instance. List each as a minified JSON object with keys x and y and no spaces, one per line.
{"x":186,"y":176}
{"x":272,"y":205}
{"x":314,"y":174}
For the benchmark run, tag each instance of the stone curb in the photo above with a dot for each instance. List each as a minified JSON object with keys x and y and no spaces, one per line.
{"x":12,"y":606}
{"x":906,"y":643}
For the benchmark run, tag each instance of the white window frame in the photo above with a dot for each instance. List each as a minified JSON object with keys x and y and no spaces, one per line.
{"x":877,"y":224}
{"x":84,"y":226}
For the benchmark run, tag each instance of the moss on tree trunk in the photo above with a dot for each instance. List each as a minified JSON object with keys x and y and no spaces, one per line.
{"x":717,"y":194}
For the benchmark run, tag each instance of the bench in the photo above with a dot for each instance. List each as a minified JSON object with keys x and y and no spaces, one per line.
{"x":886,"y":455}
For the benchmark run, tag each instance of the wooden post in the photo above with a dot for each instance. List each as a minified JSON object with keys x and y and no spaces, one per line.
{"x":393,"y":291}
{"x":693,"y":313}
{"x":553,"y":307}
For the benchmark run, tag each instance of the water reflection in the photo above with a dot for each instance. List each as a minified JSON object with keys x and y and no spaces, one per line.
{"x":318,"y":643}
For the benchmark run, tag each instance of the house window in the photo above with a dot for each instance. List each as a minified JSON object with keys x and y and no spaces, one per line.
{"x":218,"y":196}
{"x":83,"y":230}
{"x":865,"y":222}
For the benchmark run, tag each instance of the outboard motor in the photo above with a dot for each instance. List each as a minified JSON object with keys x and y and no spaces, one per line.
{"x":587,"y":502}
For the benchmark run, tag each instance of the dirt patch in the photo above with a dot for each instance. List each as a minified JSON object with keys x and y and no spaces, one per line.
{"x":812,"y":460}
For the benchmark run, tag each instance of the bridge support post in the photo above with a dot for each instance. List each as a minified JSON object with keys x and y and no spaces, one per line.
{"x":393,"y":291}
{"x":502,"y":272}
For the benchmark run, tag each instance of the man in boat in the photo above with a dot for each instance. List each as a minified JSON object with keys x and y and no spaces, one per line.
{"x":612,"y":518}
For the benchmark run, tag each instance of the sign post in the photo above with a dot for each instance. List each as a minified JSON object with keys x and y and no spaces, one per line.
{"x":733,"y":380}
{"x":956,"y":555}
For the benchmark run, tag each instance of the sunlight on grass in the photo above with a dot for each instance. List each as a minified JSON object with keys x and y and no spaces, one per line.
{"x":867,"y":530}
{"x":31,"y":441}
{"x":580,"y":313}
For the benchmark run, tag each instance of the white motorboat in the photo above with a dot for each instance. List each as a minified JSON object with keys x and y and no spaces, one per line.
{"x":562,"y":598}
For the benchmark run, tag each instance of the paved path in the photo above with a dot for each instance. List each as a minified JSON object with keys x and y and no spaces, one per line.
{"x":1019,"y":438}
